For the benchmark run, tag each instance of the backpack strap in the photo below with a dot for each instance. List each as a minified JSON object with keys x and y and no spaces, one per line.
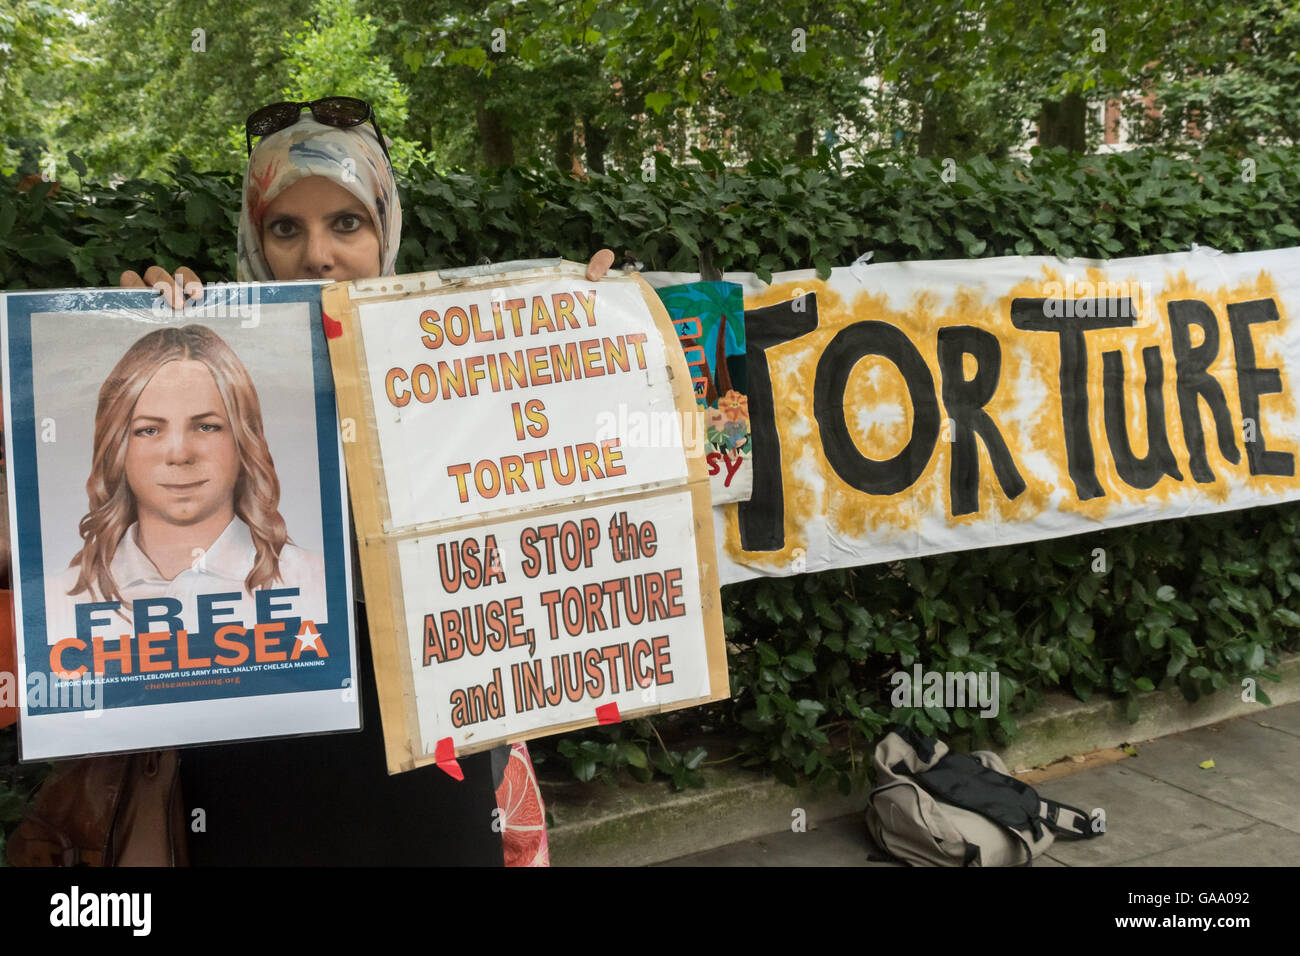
{"x":973,"y":851}
{"x":1065,"y":820}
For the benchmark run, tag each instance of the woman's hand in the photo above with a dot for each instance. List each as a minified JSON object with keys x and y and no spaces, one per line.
{"x":175,"y":288}
{"x":599,"y":264}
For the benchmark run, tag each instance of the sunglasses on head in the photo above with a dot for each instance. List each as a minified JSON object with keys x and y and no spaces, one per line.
{"x":338,"y":111}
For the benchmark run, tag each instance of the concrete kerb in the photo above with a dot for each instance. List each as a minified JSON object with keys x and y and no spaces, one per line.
{"x":650,"y":823}
{"x":1064,"y":725}
{"x":636,"y":825}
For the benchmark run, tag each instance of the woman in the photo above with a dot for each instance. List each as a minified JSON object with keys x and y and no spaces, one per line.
{"x":181,"y":468}
{"x":320,"y":202}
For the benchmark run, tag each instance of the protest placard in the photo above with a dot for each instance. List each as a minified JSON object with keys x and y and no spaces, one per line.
{"x":910,"y":408}
{"x":532,"y":505}
{"x":180,"y":541}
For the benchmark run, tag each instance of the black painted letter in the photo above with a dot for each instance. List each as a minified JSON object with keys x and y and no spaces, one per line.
{"x":1253,"y":382}
{"x":1159,"y":460}
{"x":1191,"y":367}
{"x":870,"y":475}
{"x":1084,"y":316}
{"x":762,"y":517}
{"x":964,"y":402}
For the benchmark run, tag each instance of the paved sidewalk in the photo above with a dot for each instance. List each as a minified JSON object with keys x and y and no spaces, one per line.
{"x":1162,"y":808}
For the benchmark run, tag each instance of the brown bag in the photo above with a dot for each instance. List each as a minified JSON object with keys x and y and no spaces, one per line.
{"x":120,"y":810}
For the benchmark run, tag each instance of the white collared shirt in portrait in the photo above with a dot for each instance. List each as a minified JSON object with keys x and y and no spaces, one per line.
{"x":222,"y":568}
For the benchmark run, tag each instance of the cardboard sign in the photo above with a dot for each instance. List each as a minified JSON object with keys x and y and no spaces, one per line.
{"x":536,"y":542}
{"x":180,"y":540}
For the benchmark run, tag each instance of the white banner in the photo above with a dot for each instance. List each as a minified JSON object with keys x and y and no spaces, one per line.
{"x":914,"y":408}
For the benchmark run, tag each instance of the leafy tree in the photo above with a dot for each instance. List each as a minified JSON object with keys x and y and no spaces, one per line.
{"x":1228,"y":80}
{"x":595,"y":86}
{"x":608,"y":83}
{"x":1059,"y":57}
{"x":153,"y":80}
{"x":775,"y":80}
{"x":499,"y":82}
{"x":334,"y":54}
{"x":33,"y":55}
{"x":941,"y":60}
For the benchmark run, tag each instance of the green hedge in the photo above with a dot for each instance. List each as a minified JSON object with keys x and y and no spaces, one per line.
{"x":767,"y":218}
{"x":1197,"y":602}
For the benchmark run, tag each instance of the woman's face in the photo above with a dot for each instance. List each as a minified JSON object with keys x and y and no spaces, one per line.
{"x":181,"y":460}
{"x":316,"y":229}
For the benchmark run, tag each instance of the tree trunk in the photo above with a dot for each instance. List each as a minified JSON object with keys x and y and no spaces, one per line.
{"x":721,"y":374}
{"x":597,"y":141}
{"x":804,"y":140}
{"x":564,"y":147}
{"x":930,"y":127}
{"x":1062,"y":123}
{"x":494,"y":134}
{"x":708,"y":271}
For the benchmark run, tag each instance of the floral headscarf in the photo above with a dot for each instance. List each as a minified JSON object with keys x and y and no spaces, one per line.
{"x":351,"y":157}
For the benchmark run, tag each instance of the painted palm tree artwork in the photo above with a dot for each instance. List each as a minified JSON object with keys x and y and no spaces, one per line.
{"x":710,"y":321}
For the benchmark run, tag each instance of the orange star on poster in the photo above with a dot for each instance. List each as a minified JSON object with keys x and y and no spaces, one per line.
{"x":308,"y":639}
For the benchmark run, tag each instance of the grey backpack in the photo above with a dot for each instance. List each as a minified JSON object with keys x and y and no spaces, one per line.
{"x":931,"y":807}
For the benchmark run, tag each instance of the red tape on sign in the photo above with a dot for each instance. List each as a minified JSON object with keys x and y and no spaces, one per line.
{"x":608,"y":713}
{"x":445,"y":754}
{"x":333,"y":329}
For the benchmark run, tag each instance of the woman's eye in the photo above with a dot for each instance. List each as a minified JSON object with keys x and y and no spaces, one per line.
{"x":209,"y":427}
{"x":282,"y":229}
{"x":348,"y":223}
{"x":148,"y":431}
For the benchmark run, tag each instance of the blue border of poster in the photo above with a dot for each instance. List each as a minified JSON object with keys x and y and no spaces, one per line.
{"x":335,"y":670}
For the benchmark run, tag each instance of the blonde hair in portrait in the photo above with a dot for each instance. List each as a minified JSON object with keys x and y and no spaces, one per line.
{"x":112,"y":505}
